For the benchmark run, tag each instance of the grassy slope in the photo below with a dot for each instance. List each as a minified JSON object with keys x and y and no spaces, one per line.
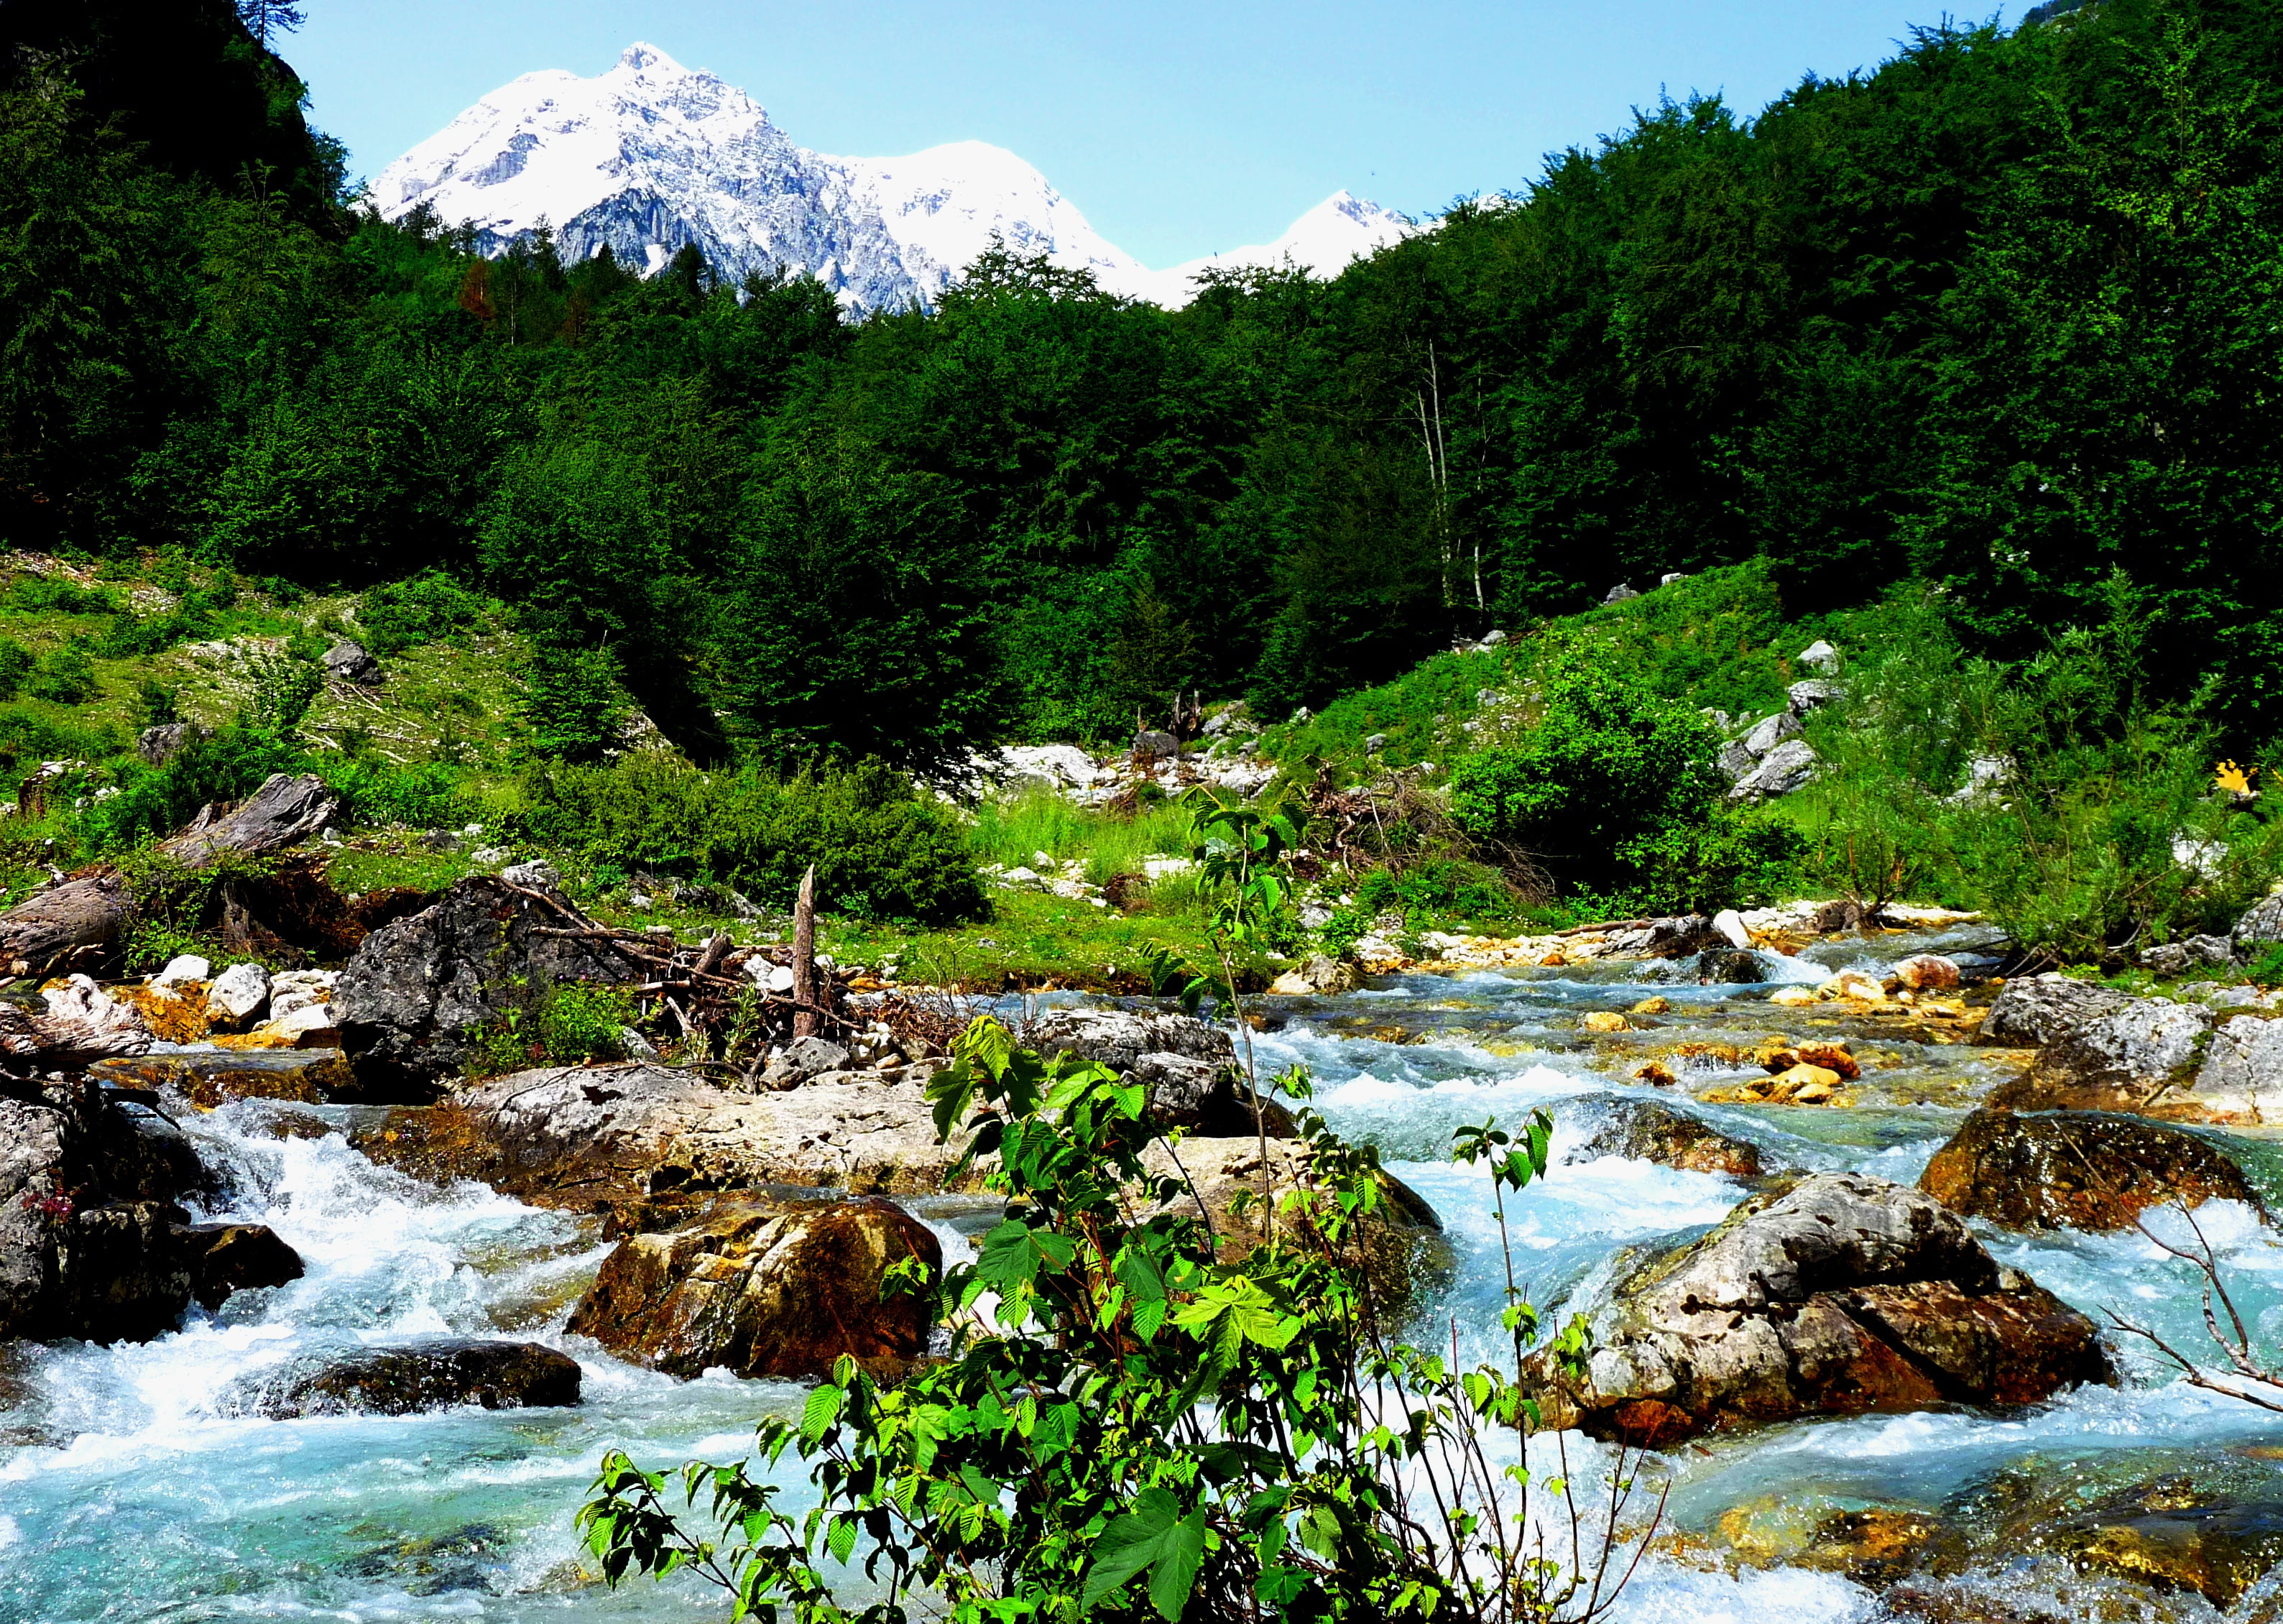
{"x":1719,"y":639}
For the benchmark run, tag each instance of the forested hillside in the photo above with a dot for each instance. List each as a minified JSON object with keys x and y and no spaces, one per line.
{"x":2001,"y":314}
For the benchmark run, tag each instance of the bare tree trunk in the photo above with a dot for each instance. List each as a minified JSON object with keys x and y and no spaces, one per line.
{"x":806,"y":1019}
{"x":79,"y":923}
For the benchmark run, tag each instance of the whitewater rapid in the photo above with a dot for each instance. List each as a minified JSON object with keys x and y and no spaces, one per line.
{"x":133,"y":1484}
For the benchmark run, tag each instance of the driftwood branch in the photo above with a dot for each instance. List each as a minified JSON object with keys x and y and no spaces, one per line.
{"x":804,"y":956}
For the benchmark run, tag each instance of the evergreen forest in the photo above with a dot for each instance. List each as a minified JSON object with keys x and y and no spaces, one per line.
{"x":1998,"y":316}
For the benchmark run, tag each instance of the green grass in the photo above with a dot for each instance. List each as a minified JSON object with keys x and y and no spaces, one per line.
{"x":1013,"y":832}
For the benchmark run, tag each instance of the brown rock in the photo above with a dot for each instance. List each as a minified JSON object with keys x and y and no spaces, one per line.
{"x":765,"y":1289}
{"x":1928,"y":972}
{"x":1843,"y":1294}
{"x":1649,"y":1130}
{"x":237,"y":1257}
{"x":2076,"y":1170}
{"x":436,"y":1373}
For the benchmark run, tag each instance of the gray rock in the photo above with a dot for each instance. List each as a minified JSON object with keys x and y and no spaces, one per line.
{"x":2033,"y":1011}
{"x":803,"y":1058}
{"x":1736,"y":762}
{"x":2172,"y":958}
{"x":433,"y":1373}
{"x":1153,"y":745}
{"x":91,"y":1243}
{"x":713,"y":899}
{"x":2149,"y":1039}
{"x":408,"y":999}
{"x":1784,"y":768}
{"x":348,"y":662}
{"x":2261,"y":925}
{"x":1669,"y":576}
{"x":1618,"y":594}
{"x":1846,"y":1294}
{"x":437,"y":840}
{"x":237,"y":995}
{"x":1819,"y":656}
{"x":580,"y":1136}
{"x":300,"y":989}
{"x":489,"y":856}
{"x":537,"y":875}
{"x":1771,"y":732}
{"x":1985,"y":775}
{"x":162,"y":743}
{"x":1118,"y":1038}
{"x":1805,"y":696}
{"x":1205,"y":1098}
{"x":1492,"y":638}
{"x":1376,"y":743}
{"x":2241,"y":1078}
{"x":1728,"y":924}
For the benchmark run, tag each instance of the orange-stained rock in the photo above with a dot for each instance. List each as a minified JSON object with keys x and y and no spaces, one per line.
{"x":765,"y":1289}
{"x":1928,"y":972}
{"x":1604,"y":1021}
{"x":2076,"y":1170}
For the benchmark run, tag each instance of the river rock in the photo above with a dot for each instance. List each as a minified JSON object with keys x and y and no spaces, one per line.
{"x":406,"y":1002}
{"x":803,"y":1058}
{"x":765,"y":1289}
{"x":1648,"y":1131}
{"x":592,"y":1137}
{"x":227,"y":1258}
{"x":435,"y":1373}
{"x":236,"y":995}
{"x":2033,"y":1011}
{"x":1843,"y":1294}
{"x":2143,"y":1056}
{"x":1728,"y":924}
{"x":91,"y":1243}
{"x":1117,"y":1038}
{"x":1205,"y":1098}
{"x":1400,"y":1246}
{"x":2075,"y":1170}
{"x":1928,"y":972}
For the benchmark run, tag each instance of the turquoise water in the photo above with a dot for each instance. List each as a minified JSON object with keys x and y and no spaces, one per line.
{"x":132,"y":1484}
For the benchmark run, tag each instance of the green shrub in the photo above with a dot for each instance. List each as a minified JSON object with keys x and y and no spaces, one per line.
{"x":65,"y":676}
{"x":428,"y":608}
{"x":59,"y":595}
{"x":16,"y":663}
{"x":152,"y":802}
{"x":882,"y":850}
{"x":1614,"y":792}
{"x":284,"y":688}
{"x":564,"y":1023}
{"x":573,"y":702}
{"x":377,"y":792}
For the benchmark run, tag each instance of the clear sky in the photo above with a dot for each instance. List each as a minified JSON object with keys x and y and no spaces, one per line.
{"x":1180,"y":127}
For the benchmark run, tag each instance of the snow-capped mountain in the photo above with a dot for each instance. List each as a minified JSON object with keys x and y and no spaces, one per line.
{"x":651,"y":156}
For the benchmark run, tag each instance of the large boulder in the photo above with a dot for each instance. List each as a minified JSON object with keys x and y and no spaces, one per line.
{"x":92,"y":1245}
{"x":1649,"y":1130}
{"x":407,"y":1000}
{"x":435,"y":1373}
{"x":2033,"y":1011}
{"x":1843,"y":1294}
{"x":1399,"y":1248}
{"x":592,"y":1137}
{"x":2152,"y":1057}
{"x":2075,"y":1170}
{"x":766,"y":1288}
{"x":2261,"y":926}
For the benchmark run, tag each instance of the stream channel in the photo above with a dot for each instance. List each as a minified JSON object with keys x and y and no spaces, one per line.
{"x":135,"y":1484}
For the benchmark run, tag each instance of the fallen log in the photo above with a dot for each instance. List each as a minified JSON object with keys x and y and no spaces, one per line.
{"x":79,"y":923}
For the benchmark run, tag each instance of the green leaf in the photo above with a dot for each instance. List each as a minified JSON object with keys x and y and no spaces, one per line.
{"x":1014,"y":1253}
{"x":1153,"y":1536}
{"x":822,"y":1410}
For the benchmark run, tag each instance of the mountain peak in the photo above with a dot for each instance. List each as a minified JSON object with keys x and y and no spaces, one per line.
{"x":650,"y":157}
{"x":641,"y":57}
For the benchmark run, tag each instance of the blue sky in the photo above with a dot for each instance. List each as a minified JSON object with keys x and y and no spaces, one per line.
{"x":1181,"y":129}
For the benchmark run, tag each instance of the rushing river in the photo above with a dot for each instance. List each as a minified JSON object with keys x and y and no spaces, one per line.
{"x":133,"y":1484}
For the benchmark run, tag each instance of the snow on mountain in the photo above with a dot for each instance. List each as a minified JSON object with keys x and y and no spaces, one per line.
{"x":650,"y":156}
{"x":1341,"y":229}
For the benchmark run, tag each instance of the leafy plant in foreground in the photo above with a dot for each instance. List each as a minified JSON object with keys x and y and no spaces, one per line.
{"x":1128,"y":1428}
